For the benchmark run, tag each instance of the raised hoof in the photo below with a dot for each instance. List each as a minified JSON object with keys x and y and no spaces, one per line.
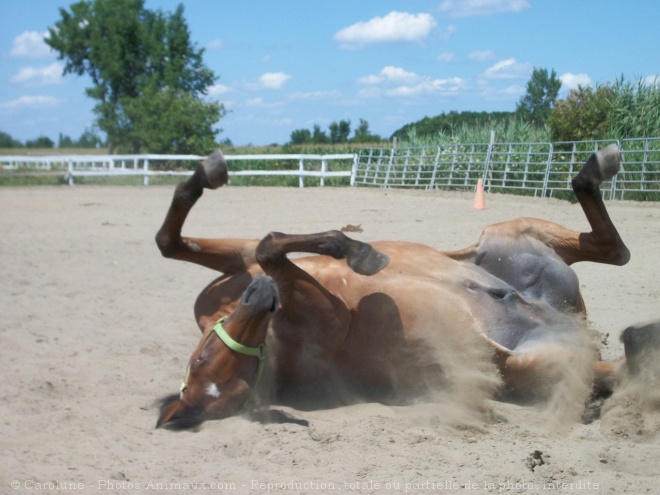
{"x":602,"y":165}
{"x":642,"y":347}
{"x":608,"y":160}
{"x":365,"y":260}
{"x":215,"y":173}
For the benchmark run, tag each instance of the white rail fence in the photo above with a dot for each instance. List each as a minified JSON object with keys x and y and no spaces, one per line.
{"x":543,"y":169}
{"x":73,"y":166}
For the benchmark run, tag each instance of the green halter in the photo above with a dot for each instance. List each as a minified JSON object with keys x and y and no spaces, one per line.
{"x":219,"y":330}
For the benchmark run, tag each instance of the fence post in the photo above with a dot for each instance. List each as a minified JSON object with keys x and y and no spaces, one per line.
{"x":548,"y":165}
{"x":301,"y":168}
{"x":488,"y":158}
{"x":389,"y":168}
{"x":354,"y":169}
{"x":70,"y":174}
{"x":324,"y":169}
{"x":145,"y":168}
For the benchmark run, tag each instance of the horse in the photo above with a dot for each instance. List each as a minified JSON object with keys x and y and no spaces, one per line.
{"x":371,"y":319}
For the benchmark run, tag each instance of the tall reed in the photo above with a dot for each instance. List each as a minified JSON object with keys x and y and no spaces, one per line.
{"x":509,"y":131}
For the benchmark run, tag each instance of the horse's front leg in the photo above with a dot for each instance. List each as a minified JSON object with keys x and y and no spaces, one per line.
{"x":313,"y":322}
{"x":223,"y":255}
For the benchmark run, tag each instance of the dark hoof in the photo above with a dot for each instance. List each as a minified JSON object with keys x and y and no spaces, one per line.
{"x":642,"y":346}
{"x":215,"y":170}
{"x":365,"y":260}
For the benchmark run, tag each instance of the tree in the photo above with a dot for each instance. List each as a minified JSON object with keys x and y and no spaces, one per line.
{"x":300,"y":136}
{"x":542,"y":91}
{"x":363,"y":135}
{"x":40,"y":142}
{"x":170,"y":121}
{"x":89,"y":139}
{"x":6,"y":141}
{"x":132,"y":55}
{"x":319,"y":136}
{"x":339,"y":132}
{"x":585,"y":114}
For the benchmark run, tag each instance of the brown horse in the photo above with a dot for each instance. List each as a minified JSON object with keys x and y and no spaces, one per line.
{"x":374,"y":318}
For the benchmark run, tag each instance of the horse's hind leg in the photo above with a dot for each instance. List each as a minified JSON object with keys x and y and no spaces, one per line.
{"x":224,"y":255}
{"x":603,"y":244}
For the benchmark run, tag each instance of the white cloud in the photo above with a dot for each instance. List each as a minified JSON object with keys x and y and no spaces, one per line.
{"x":445,"y":57}
{"x":448,"y":32}
{"x":39,"y":76}
{"x":273,"y":80}
{"x":215,"y":45}
{"x":395,"y":81}
{"x":508,"y":69}
{"x":261,"y":103}
{"x":481,"y":55}
{"x":572,"y":81}
{"x":392,"y":28}
{"x":29,"y":102}
{"x":30,"y":44}
{"x":508,"y":93}
{"x":315,"y":95}
{"x":219,"y":89}
{"x":388,"y":73}
{"x":471,"y":8}
{"x":448,"y":86}
{"x":652,"y":80}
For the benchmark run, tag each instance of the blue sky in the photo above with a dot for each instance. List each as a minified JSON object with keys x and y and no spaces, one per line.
{"x":291,"y":64}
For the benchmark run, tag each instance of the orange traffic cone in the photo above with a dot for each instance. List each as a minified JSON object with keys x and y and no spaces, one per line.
{"x":479,"y":201}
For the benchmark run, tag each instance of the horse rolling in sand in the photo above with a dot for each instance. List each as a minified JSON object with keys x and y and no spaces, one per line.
{"x":372,"y":319}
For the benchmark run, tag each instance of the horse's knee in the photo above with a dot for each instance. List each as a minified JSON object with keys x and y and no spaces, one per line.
{"x":267,"y":251}
{"x":166,"y":244}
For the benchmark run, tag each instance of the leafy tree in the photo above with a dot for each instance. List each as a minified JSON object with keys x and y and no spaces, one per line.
{"x":170,"y":121}
{"x":542,"y":90}
{"x":362,"y":134}
{"x":585,"y":114}
{"x":6,"y":141}
{"x":65,"y":142}
{"x":339,"y":131}
{"x":300,"y":136}
{"x":131,"y":55}
{"x":319,"y":136}
{"x":89,"y":139}
{"x":40,"y":142}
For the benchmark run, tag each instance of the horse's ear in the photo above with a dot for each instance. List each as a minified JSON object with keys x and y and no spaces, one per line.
{"x":176,"y":415}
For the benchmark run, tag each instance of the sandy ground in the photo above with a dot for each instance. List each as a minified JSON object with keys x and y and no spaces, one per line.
{"x":95,"y":325}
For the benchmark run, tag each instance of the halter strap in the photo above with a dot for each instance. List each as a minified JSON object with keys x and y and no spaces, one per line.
{"x":258,"y":352}
{"x":219,"y":329}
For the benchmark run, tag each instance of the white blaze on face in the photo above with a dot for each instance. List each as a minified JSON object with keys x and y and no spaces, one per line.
{"x":212,"y":390}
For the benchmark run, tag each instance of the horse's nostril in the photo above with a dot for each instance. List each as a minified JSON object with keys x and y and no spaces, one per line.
{"x":248,"y":294}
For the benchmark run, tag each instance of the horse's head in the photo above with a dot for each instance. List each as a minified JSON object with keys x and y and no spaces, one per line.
{"x":227,"y":362}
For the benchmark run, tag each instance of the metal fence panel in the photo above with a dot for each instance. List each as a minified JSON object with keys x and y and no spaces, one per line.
{"x":541,"y":169}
